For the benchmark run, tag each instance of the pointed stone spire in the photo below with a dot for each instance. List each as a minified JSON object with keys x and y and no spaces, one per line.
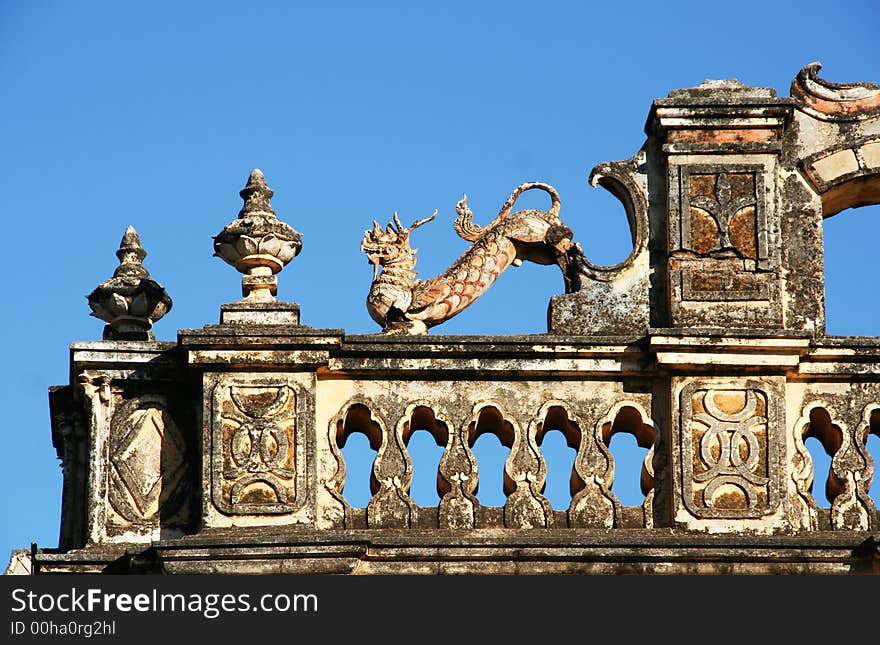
{"x":131,"y":255}
{"x":130,"y":302}
{"x":258,"y":244}
{"x":257,"y":196}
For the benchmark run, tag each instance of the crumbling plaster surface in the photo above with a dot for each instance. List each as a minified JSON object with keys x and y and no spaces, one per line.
{"x":222,"y":452}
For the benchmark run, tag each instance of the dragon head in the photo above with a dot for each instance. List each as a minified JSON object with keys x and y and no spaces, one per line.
{"x":391,"y":246}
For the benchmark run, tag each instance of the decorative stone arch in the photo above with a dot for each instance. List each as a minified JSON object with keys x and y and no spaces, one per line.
{"x":357,"y":415}
{"x":846,"y":173}
{"x":849,"y":476}
{"x":431,"y":417}
{"x":558,"y":415}
{"x":834,"y":146}
{"x":525,"y":470}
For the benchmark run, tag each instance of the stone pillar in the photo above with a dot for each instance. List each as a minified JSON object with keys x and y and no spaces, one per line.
{"x":122,"y":427}
{"x":133,"y":408}
{"x":722,"y":141}
{"x":728,"y":447}
{"x":258,"y":383}
{"x":258,"y":446}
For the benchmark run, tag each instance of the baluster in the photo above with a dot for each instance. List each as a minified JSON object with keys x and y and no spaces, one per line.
{"x":333,"y":508}
{"x":525,"y":473}
{"x":391,"y":505}
{"x":593,"y":505}
{"x":648,"y":506}
{"x":631,"y":418}
{"x":853,"y":509}
{"x":457,"y":482}
{"x":803,"y":512}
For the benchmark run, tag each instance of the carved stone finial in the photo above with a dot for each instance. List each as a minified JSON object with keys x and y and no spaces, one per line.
{"x":130,"y":302}
{"x":258,"y":244}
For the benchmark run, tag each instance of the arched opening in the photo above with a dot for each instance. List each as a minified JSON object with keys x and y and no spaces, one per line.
{"x":628,"y":467}
{"x":490,"y":438}
{"x":425,"y":438}
{"x":632,"y":477}
{"x":872,"y":445}
{"x":849,"y":240}
{"x":821,"y":466}
{"x":359,"y":438}
{"x":822,"y":438}
{"x":559,"y":438}
{"x":559,"y":456}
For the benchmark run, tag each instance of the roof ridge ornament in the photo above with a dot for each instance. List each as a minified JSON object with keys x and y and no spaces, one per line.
{"x":130,"y":302}
{"x":829,"y":101}
{"x":257,"y":243}
{"x":401,"y":304}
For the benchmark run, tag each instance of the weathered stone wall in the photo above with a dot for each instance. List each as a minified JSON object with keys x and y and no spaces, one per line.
{"x":724,"y":418}
{"x":223,"y":451}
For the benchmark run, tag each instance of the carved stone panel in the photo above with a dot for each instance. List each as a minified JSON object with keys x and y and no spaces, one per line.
{"x":148,"y":457}
{"x":254,"y":448}
{"x":724,"y":246}
{"x":723,"y":210}
{"x":729,"y":451}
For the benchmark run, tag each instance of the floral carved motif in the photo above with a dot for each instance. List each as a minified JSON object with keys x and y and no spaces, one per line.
{"x":723,"y":223}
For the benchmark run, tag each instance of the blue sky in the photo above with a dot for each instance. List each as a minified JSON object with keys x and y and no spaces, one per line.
{"x":153,"y":114}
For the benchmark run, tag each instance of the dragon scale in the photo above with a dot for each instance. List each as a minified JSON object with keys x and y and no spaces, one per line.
{"x":402,"y":304}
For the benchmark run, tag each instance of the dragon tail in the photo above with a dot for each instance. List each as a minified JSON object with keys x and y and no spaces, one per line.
{"x":464,"y":223}
{"x":519,"y":190}
{"x":465,"y":226}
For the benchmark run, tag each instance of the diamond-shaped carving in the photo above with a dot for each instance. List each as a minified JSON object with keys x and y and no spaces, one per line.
{"x":147,"y":452}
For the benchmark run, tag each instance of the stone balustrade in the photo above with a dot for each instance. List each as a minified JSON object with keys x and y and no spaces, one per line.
{"x":223,"y":451}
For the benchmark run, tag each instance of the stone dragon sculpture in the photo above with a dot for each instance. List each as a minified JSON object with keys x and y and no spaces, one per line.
{"x":401,"y":304}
